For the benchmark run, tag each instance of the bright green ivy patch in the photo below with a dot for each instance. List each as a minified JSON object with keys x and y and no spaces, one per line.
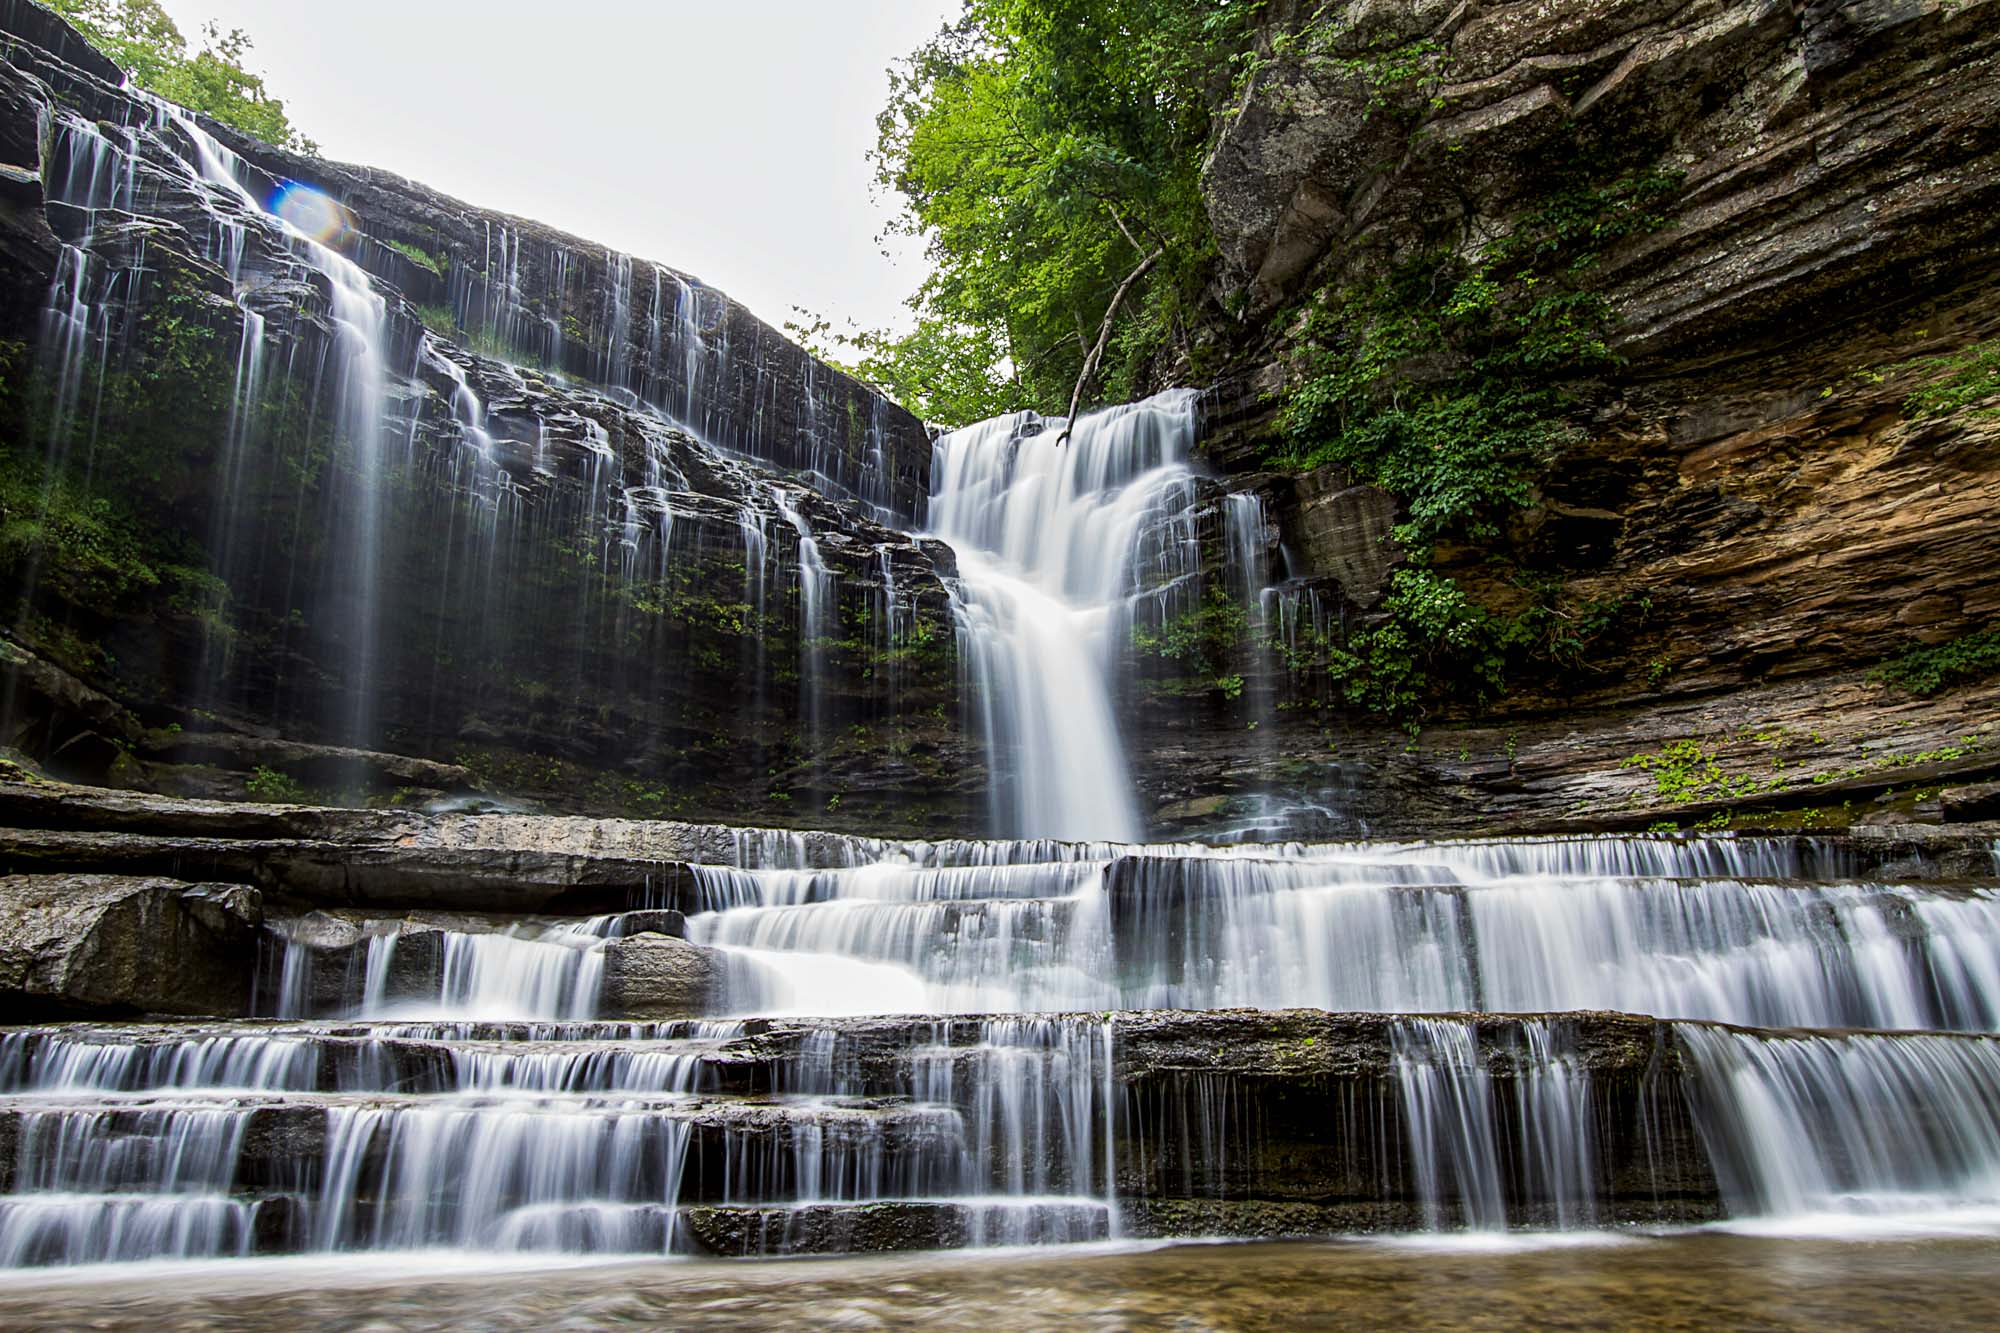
{"x":1965,"y":378}
{"x":1685,"y":771}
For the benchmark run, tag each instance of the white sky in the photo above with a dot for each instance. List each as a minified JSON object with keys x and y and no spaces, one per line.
{"x":727,"y":138}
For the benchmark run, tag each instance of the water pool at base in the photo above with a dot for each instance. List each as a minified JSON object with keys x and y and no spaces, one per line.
{"x":1698,"y":1280}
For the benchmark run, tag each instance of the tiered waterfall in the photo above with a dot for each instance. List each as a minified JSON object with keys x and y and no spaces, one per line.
{"x":592,"y":472}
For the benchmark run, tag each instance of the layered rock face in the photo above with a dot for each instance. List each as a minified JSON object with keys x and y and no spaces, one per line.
{"x":107,"y":943}
{"x":452,"y":501}
{"x":1749,"y":473}
{"x":575,"y":527}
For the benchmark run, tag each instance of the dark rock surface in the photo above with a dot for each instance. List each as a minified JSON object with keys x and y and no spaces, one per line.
{"x":572,"y":599}
{"x":828,"y":1228}
{"x":1750,"y":472}
{"x":1826,"y":144}
{"x":109,"y":944}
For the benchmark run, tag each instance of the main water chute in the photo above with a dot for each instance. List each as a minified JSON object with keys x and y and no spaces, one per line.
{"x":1053,"y":540}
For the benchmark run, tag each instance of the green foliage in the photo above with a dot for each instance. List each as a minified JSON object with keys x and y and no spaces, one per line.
{"x":139,"y":37}
{"x":1432,"y":644}
{"x":1206,"y":639}
{"x":1925,"y":671}
{"x":1443,"y":381}
{"x":439,"y":319}
{"x":422,"y":258}
{"x":90,"y":549}
{"x":1434,"y":640}
{"x":1386,"y":72}
{"x":268,"y":784}
{"x":1966,"y":377}
{"x":1684,"y":771}
{"x":1449,"y":381}
{"x":1043,"y":149}
{"x":947,"y":373}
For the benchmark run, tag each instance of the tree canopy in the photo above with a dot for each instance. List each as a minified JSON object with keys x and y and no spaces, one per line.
{"x":140,"y":37}
{"x":1048,"y":153}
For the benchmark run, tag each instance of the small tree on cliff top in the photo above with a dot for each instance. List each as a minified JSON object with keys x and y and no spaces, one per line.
{"x":139,"y":37}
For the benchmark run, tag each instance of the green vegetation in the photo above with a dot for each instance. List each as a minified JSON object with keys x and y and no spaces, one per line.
{"x":1515,"y":327}
{"x":1925,"y":671}
{"x":1048,"y":153}
{"x":92,"y":551}
{"x":1688,"y":770}
{"x":268,"y":784}
{"x":439,"y":319}
{"x":422,"y":258}
{"x":1451,"y":382}
{"x":1684,"y":771}
{"x":1965,"y":378}
{"x":139,"y":37}
{"x":1433,"y":645}
{"x":1206,"y":641}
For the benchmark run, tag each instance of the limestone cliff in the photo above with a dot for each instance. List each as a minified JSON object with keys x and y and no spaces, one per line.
{"x":1749,"y":472}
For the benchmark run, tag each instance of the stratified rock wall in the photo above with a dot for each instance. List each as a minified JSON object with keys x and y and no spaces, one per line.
{"x":1748,"y":474}
{"x":606,"y":539}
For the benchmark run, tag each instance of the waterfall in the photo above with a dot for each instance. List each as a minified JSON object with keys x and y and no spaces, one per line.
{"x":359,"y":346}
{"x":1063,"y":1034}
{"x":1689,"y":929}
{"x":1850,"y":1125}
{"x":1051,"y":535}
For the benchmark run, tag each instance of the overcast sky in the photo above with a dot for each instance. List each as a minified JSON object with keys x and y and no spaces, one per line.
{"x":727,"y":138}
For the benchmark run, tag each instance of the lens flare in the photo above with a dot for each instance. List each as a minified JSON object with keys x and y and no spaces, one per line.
{"x":314,"y":212}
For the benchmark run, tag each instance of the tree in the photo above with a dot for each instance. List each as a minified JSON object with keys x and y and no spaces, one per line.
{"x":139,"y":37}
{"x":1049,"y":152}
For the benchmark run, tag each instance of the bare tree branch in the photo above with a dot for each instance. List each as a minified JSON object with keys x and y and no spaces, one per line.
{"x":1104,"y":336}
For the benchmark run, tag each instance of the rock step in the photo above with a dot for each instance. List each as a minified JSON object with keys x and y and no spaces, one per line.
{"x":1238,"y":1121}
{"x":894,"y":1224}
{"x":634,"y":1147}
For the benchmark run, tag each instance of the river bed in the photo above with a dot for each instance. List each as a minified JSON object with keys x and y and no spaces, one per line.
{"x":1699,"y":1280}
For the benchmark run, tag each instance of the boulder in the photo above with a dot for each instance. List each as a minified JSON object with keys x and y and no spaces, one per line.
{"x":655,"y":976}
{"x":107,"y":945}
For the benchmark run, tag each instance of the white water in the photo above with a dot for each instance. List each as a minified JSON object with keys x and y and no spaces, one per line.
{"x":1448,"y":927}
{"x":1858,"y":1127}
{"x":1052,"y":540}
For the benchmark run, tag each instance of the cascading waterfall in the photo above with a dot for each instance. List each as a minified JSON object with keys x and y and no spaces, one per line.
{"x":459,"y":1081}
{"x":1583,"y":924}
{"x":1848,"y":1127}
{"x":360,"y":388}
{"x":361,"y":445}
{"x":495,"y":1112}
{"x":1053,"y":536}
